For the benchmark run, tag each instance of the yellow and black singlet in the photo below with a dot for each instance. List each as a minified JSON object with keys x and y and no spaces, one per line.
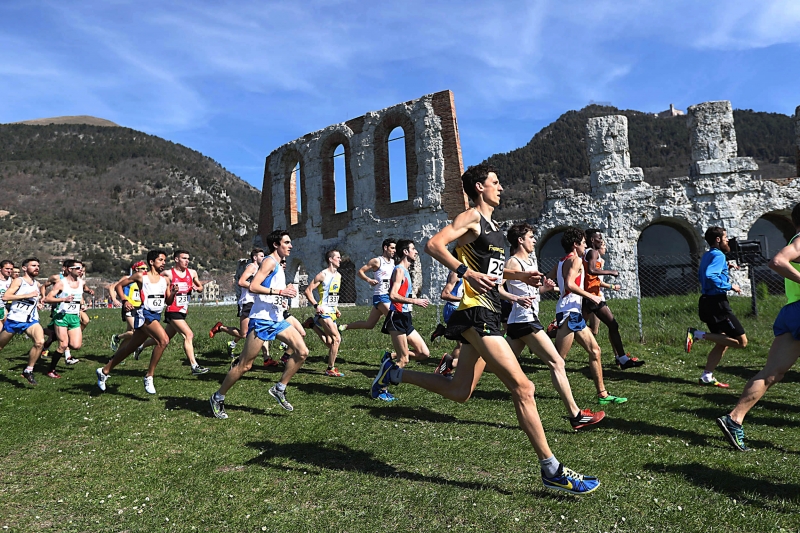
{"x":486,"y":254}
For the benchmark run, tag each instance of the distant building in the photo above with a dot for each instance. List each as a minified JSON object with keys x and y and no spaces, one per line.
{"x":210,"y":291}
{"x":671,"y":112}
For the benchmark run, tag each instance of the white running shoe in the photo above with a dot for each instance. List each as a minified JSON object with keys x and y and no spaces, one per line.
{"x":148,"y":385}
{"x":101,"y":379}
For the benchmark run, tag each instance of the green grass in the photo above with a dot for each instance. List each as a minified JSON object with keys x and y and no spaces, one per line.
{"x":75,"y":460}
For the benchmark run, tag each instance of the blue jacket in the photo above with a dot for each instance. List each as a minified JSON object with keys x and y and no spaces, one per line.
{"x":713,"y":273}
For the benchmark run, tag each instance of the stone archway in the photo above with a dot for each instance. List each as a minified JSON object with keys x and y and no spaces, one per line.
{"x":667,"y":258}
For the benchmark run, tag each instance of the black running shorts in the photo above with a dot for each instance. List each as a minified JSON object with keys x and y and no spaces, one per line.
{"x":520,"y":329}
{"x":244,"y":310}
{"x":484,"y":321}
{"x":716,"y":312}
{"x":399,"y":322}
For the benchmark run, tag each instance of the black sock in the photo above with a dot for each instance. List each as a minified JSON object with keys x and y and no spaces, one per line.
{"x":54,"y":362}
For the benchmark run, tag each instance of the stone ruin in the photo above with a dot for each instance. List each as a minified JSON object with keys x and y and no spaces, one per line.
{"x":433,"y":167}
{"x":720,"y":190}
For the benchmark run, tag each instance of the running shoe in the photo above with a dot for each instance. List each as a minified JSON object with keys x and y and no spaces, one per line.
{"x":281,"y":397}
{"x":114,"y":343}
{"x":445,"y":366}
{"x":214,"y":330}
{"x":218,"y":407}
{"x":138,"y":352}
{"x":308,"y":323}
{"x":689,"y":339}
{"x":713,"y":383}
{"x":231,"y":347}
{"x":72,"y":360}
{"x":53,"y":374}
{"x":586,"y":418}
{"x":733,"y":432}
{"x":334,"y":373}
{"x":197,"y":370}
{"x":570,"y":481}
{"x":438,"y":332}
{"x":285,"y":357}
{"x":386,"y":396}
{"x":29,"y":376}
{"x":149,"y":388}
{"x":271,"y":362}
{"x":234,"y":362}
{"x":611,"y":399}
{"x":382,"y":380}
{"x":101,"y":379}
{"x":342,"y":327}
{"x":386,"y":355}
{"x":45,"y":354}
{"x":632,"y":362}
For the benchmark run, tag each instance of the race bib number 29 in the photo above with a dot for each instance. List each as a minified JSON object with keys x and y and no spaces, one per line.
{"x":496,"y":269}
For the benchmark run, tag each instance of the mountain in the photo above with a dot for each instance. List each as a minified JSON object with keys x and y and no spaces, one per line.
{"x":107,"y":194}
{"x":78,"y":119}
{"x":556,"y":157}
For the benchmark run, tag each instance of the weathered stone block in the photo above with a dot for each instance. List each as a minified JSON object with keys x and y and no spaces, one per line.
{"x":723,"y":166}
{"x":712,"y":134}
{"x":607,"y":143}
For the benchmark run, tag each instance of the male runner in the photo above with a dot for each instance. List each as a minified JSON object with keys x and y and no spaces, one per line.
{"x":452,"y":292}
{"x":266,"y":324}
{"x":593,"y":263}
{"x":524,"y":328}
{"x":23,"y":315}
{"x":570,"y":322}
{"x":382,"y":268}
{"x":326,"y":306}
{"x":155,"y":293}
{"x":245,"y":304}
{"x":50,"y":332}
{"x":6,"y":271}
{"x":130,"y":294}
{"x":66,"y":294}
{"x":724,"y":329}
{"x":183,"y":280}
{"x":15,"y":273}
{"x":785,"y":346}
{"x":481,"y":250}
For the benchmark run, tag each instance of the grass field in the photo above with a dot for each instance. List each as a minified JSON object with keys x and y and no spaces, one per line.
{"x":75,"y":460}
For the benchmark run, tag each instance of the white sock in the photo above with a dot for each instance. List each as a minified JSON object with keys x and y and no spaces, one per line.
{"x":280,"y":386}
{"x":698,"y":335}
{"x":67,"y":354}
{"x":219,"y":397}
{"x":623,"y":359}
{"x":707,"y":376}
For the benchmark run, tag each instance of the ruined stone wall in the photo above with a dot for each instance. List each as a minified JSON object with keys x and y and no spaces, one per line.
{"x":433,"y":165}
{"x":720,"y":190}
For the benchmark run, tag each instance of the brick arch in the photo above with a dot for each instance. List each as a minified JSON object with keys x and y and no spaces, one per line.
{"x":289,"y":160}
{"x":383,"y":204}
{"x":333,"y":222}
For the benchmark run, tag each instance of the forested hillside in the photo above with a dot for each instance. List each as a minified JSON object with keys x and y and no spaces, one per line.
{"x":556,"y":156}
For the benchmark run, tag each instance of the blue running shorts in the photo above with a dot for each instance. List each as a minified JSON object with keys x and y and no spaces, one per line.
{"x":267,"y":330}
{"x":788,"y":321}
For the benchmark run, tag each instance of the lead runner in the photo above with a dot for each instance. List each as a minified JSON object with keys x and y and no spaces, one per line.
{"x":476,"y":322}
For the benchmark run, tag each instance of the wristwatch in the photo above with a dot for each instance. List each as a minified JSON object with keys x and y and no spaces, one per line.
{"x":461,"y":270}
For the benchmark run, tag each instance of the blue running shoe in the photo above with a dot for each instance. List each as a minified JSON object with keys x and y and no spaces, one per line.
{"x":381,"y":381}
{"x":386,"y":396}
{"x":733,"y":432}
{"x":570,"y":481}
{"x":386,"y":355}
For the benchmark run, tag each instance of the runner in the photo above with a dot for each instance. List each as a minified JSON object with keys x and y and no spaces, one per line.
{"x":269,"y":289}
{"x":593,"y":264}
{"x":326,"y":306}
{"x":24,"y":294}
{"x":130,"y":294}
{"x":245,"y":303}
{"x":785,"y":346}
{"x":15,"y":273}
{"x":155,"y":293}
{"x":724,"y":329}
{"x":524,"y":328}
{"x":6,"y":272}
{"x":452,"y":292}
{"x":382,"y":268}
{"x":476,"y":322}
{"x":66,"y":295}
{"x":183,"y":280}
{"x":50,"y":332}
{"x":571,"y":325}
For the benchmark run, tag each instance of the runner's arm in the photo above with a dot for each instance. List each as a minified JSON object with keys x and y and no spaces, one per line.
{"x":11,"y":293}
{"x":714,"y":272}
{"x":573,"y":268}
{"x":373,"y":265}
{"x":196,"y":283}
{"x":591,"y":260}
{"x":243,"y":279}
{"x":781,"y":263}
{"x":452,"y":279}
{"x":52,"y":298}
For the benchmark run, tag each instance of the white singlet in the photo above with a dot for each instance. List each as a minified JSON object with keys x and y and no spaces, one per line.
{"x":519,"y":314}
{"x":328,"y":291}
{"x":245,"y":296}
{"x":383,"y":275}
{"x":154,"y":294}
{"x":568,"y":302}
{"x":25,"y":310}
{"x":73,"y":307}
{"x":270,"y":307}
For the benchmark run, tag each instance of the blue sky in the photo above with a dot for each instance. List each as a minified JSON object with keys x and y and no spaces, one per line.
{"x":234,"y":80}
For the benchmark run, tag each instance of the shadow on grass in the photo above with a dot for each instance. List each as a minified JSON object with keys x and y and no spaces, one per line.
{"x":346,"y":459}
{"x":203,"y":408}
{"x":92,"y":390}
{"x":733,"y":485}
{"x":639,"y":375}
{"x":708,"y":413}
{"x":396,"y":412}
{"x":747,"y":372}
{"x":9,"y":376}
{"x":323,"y":388}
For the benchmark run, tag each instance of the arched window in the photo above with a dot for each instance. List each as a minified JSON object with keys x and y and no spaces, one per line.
{"x":340,"y":179}
{"x":667,"y":262}
{"x":296,"y":197}
{"x":398,"y":175}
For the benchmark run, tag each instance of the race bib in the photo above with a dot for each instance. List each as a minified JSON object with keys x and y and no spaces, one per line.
{"x":496,"y":269}
{"x":333,"y":300}
{"x":155,"y":301}
{"x":182,"y":300}
{"x":25,"y":307}
{"x":71,"y":308}
{"x":135,"y":295}
{"x":385,"y":285}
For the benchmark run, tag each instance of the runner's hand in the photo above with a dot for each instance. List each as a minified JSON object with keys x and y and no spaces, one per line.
{"x":290,"y":291}
{"x":373,"y":281}
{"x":524,"y":301}
{"x":736,"y":289}
{"x":596,"y":299}
{"x":479,"y":281}
{"x":533,"y":278}
{"x":422,"y":302}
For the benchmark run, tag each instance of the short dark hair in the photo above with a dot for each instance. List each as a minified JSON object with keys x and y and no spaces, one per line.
{"x":474,"y":175}
{"x":391,"y":240}
{"x":402,"y":246}
{"x":571,"y":237}
{"x":274,"y":239}
{"x":5,"y":262}
{"x":795,"y":218}
{"x":591,"y":233}
{"x":712,"y":233}
{"x":68,"y":263}
{"x":254,"y":252}
{"x":152,"y":255}
{"x":177,"y":253}
{"x":517,"y":232}
{"x":28,"y":260}
{"x":330,"y":253}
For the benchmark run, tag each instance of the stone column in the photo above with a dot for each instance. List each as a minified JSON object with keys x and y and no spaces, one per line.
{"x":713,"y":139}
{"x":609,"y":157}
